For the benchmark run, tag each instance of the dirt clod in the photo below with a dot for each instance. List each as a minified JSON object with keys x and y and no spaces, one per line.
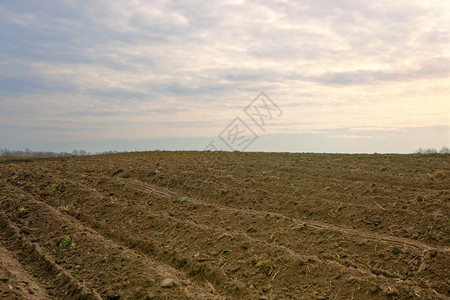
{"x":167,"y":283}
{"x":392,"y":291}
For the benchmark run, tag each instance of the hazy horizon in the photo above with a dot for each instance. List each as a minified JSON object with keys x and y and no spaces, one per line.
{"x":311,"y":143}
{"x":347,"y":77}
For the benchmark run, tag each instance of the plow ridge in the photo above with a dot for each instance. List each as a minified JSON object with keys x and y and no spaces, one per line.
{"x":398,"y":241}
{"x":32,"y":254}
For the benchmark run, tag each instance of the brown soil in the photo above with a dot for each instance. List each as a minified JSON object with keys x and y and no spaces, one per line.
{"x":192,"y":225}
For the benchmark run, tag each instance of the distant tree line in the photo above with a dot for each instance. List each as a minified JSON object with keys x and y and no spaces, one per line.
{"x":30,"y":153}
{"x":444,"y":150}
{"x":47,"y":154}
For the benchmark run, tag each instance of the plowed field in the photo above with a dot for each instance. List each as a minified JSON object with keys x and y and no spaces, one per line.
{"x":192,"y":225}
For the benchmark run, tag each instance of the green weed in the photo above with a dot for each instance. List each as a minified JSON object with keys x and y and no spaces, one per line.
{"x":65,"y":242}
{"x":54,"y":189}
{"x":183,"y":199}
{"x":426,"y":280}
{"x":67,"y":207}
{"x":266,"y":267}
{"x":223,"y":191}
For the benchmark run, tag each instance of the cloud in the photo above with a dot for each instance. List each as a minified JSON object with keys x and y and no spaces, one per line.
{"x":345,"y":136}
{"x":139,"y":63}
{"x":435,"y":68}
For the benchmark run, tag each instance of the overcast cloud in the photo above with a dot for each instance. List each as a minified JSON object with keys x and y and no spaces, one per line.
{"x":73,"y":71}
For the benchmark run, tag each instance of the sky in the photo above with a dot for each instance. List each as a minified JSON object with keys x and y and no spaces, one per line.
{"x":297,"y":76}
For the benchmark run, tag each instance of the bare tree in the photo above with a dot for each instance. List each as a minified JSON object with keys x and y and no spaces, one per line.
{"x":444,"y":150}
